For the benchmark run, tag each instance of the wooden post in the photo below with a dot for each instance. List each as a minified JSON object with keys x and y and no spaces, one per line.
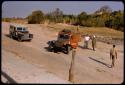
{"x":71,"y":70}
{"x":77,"y":28}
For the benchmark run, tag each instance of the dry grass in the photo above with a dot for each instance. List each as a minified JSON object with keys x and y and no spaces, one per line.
{"x":102,"y":31}
{"x":19,"y":21}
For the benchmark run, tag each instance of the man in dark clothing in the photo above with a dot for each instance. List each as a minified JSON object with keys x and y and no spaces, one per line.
{"x":93,"y":42}
{"x":113,"y":55}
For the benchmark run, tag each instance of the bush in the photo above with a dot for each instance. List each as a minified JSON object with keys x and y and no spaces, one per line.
{"x":6,"y":19}
{"x":36,"y":17}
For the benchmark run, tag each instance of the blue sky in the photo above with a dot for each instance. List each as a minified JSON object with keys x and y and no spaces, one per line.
{"x":24,"y":8}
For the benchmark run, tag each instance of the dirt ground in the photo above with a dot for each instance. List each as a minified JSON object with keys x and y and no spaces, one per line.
{"x":90,"y":66}
{"x":25,"y":72}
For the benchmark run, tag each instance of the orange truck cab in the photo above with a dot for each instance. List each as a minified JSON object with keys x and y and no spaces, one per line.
{"x":75,"y":38}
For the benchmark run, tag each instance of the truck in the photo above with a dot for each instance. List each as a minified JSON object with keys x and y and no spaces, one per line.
{"x":20,"y":32}
{"x":64,"y":41}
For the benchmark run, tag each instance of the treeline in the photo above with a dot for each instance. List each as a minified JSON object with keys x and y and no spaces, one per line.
{"x":12,"y":19}
{"x":103,"y":17}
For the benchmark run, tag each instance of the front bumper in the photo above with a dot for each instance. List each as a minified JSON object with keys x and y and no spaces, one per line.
{"x":27,"y":37}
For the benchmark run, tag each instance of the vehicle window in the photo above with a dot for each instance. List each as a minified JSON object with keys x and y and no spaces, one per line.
{"x":24,"y":29}
{"x":64,"y":36}
{"x":19,"y":28}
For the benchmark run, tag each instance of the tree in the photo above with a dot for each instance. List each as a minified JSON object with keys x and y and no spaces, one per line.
{"x":82,"y":17}
{"x":104,"y":9}
{"x":116,"y":20}
{"x":57,"y":12}
{"x":36,"y":17}
{"x":56,"y":16}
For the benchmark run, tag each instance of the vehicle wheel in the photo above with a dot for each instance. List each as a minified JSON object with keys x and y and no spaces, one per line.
{"x":29,"y":40}
{"x":50,"y":48}
{"x":19,"y":39}
{"x":11,"y":36}
{"x":67,"y":49}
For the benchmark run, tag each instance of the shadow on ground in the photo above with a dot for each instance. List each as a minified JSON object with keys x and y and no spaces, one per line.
{"x":9,"y":79}
{"x":7,"y":35}
{"x":103,"y":63}
{"x":55,"y":50}
{"x":82,"y":47}
{"x":47,"y":49}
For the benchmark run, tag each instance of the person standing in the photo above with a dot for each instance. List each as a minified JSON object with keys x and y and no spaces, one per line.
{"x":113,"y":55}
{"x":86,"y":40}
{"x":93,"y":42}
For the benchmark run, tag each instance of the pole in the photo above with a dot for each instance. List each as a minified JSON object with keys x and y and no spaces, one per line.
{"x":77,"y":28}
{"x":71,"y":70}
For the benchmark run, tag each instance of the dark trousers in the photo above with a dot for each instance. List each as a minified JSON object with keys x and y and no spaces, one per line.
{"x":86,"y":44}
{"x":93,"y":46}
{"x":113,"y":61}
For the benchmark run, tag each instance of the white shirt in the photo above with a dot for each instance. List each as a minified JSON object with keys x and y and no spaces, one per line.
{"x":87,"y":38}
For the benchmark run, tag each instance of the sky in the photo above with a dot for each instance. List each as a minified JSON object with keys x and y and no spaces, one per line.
{"x":25,"y":8}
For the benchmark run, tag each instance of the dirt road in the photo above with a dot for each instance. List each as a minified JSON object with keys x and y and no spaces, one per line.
{"x":16,"y":70}
{"x":90,"y":66}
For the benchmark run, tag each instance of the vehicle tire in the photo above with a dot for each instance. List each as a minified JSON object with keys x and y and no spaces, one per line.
{"x":68,"y":49}
{"x":11,"y":36}
{"x":50,"y":48}
{"x":19,"y":39}
{"x":30,"y":40}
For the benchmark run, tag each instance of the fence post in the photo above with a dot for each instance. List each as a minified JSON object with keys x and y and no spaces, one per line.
{"x":71,"y":70}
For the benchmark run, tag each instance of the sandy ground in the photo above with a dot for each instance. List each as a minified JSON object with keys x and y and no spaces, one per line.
{"x":20,"y":71}
{"x":90,"y":66}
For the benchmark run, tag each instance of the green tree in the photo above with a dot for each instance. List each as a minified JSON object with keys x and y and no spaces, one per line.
{"x":116,"y":20}
{"x":82,"y":17}
{"x":36,"y":17}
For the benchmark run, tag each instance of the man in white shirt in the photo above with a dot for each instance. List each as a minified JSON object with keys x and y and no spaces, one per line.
{"x":86,"y":40}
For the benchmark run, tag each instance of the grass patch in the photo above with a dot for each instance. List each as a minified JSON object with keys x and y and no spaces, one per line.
{"x":101,"y":31}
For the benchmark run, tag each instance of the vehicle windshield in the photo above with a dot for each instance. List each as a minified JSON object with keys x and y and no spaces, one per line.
{"x":21,"y":29}
{"x":64,"y":36}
